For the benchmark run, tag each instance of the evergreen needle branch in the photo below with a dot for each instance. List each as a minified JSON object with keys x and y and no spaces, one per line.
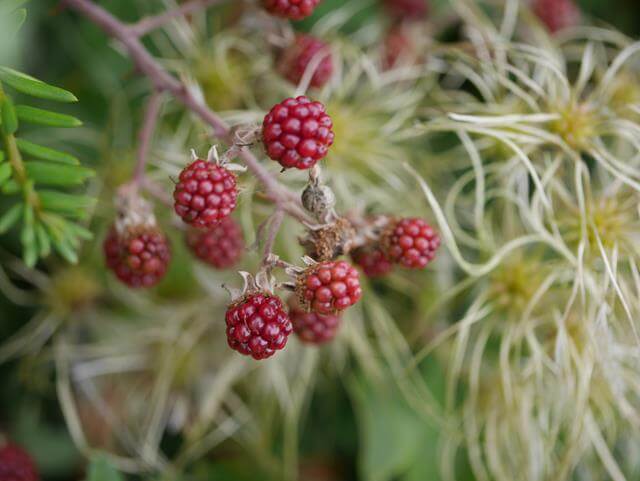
{"x":20,"y":173}
{"x":148,"y":24}
{"x":162,"y":81}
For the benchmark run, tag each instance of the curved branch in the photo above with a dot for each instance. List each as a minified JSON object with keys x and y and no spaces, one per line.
{"x":164,"y":81}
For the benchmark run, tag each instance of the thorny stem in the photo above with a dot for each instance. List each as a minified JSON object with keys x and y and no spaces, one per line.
{"x":162,"y":80}
{"x":151,"y":23}
{"x":151,"y":116}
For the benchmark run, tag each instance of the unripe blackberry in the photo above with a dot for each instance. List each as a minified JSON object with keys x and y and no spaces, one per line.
{"x":398,"y":48}
{"x":220,"y":246}
{"x":16,"y":464}
{"x":311,"y":327}
{"x":307,"y":52}
{"x":205,"y":193}
{"x":291,"y":9}
{"x":328,"y":287}
{"x":557,"y":14}
{"x":257,"y":325}
{"x":407,"y":9}
{"x":411,"y":242}
{"x":297,"y":133}
{"x":137,"y":255}
{"x":373,"y":261}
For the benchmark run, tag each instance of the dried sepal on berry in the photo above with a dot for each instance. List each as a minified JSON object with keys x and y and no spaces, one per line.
{"x":328,"y":287}
{"x":206,"y":192}
{"x":257,"y":323}
{"x":135,"y":250}
{"x":329,"y":241}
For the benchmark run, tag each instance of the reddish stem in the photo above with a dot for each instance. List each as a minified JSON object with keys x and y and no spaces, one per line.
{"x":151,"y":115}
{"x":164,"y":81}
{"x":151,"y":23}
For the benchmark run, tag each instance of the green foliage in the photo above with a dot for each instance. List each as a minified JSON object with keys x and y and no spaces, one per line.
{"x":25,"y":166}
{"x":397,"y":443}
{"x":101,"y":470}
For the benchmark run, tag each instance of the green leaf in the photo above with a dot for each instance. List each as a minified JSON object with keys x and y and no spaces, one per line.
{"x":2,"y":156}
{"x":38,"y":116}
{"x":5,"y":173}
{"x":9,"y":218}
{"x":36,"y":88}
{"x":14,"y":22}
{"x":17,"y":20}
{"x":65,"y":203}
{"x":80,"y":231}
{"x":101,"y":470}
{"x":11,"y":5}
{"x":28,"y":238}
{"x":46,"y":153}
{"x":9,"y":118}
{"x":11,"y":187}
{"x":66,"y":250}
{"x":46,"y":173}
{"x":43,"y":240}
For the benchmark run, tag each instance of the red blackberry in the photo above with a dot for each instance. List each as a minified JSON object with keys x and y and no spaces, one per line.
{"x":220,"y":246}
{"x":407,"y":9}
{"x":257,"y":325}
{"x":373,"y":261}
{"x":411,"y":242}
{"x":297,"y":133}
{"x":291,"y":9}
{"x":557,"y":14}
{"x":311,"y":327}
{"x":138,"y":256}
{"x":329,"y":287}
{"x":205,"y":193}
{"x":307,"y":50}
{"x":400,"y":48}
{"x":16,"y":464}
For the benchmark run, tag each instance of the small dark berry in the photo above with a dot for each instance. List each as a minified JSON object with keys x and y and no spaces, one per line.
{"x":410,"y":242}
{"x":329,"y":287}
{"x":291,"y":9}
{"x":307,"y":50}
{"x":407,"y":9}
{"x":557,"y":14}
{"x":311,"y":327}
{"x":297,"y":133}
{"x":373,"y":261}
{"x":139,"y":257}
{"x":220,"y":246}
{"x":205,"y":194}
{"x":258,"y":325}
{"x":16,"y":464}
